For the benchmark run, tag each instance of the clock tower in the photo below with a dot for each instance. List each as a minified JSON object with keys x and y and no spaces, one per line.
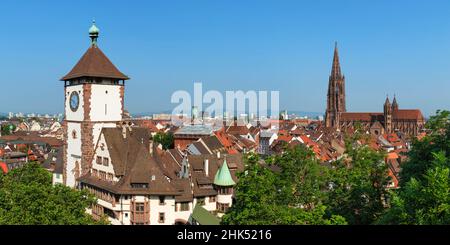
{"x":94,"y":99}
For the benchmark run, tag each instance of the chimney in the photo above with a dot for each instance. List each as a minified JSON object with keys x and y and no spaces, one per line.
{"x":206,"y":166}
{"x":124,"y":131}
{"x":218,"y":155}
{"x":150,"y":148}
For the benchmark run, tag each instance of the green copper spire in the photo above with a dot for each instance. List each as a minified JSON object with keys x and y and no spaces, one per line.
{"x":93,"y":33}
{"x":223,"y":176}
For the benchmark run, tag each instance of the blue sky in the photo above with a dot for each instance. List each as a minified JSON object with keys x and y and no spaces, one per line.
{"x":385,"y":47}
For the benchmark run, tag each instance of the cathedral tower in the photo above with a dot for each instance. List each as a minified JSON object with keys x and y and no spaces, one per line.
{"x":94,"y":99}
{"x":394,"y":105}
{"x":336,"y":93}
{"x":387,"y":110}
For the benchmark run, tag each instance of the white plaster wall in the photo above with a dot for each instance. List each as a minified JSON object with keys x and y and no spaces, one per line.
{"x":35,"y":126}
{"x":168,"y":209}
{"x":79,"y":114}
{"x":184,"y":215}
{"x":108,"y":95}
{"x":73,"y":152}
{"x":97,"y":129}
{"x":114,"y":221}
{"x":57,"y":178}
{"x":103,"y":153}
{"x":224,"y":199}
{"x":210,"y":206}
{"x":125,"y":207}
{"x":273,"y":138}
{"x":106,"y":204}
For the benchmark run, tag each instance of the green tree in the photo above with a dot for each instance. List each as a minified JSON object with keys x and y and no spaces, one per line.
{"x":259,"y":200}
{"x":425,"y":201}
{"x":27,"y":196}
{"x":302,"y":179}
{"x":421,"y":155}
{"x":424,"y":196}
{"x":358,"y":183}
{"x":165,"y":139}
{"x":8,"y":129}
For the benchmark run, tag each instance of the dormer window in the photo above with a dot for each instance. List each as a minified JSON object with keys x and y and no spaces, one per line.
{"x":162,"y":200}
{"x":205,"y":186}
{"x":139,"y":185}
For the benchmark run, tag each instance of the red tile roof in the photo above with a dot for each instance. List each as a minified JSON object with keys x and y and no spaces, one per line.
{"x":409,"y":115}
{"x":414,"y":114}
{"x":392,"y":155}
{"x":3,"y":167}
{"x":421,"y":135}
{"x":360,"y":116}
{"x":94,"y":63}
{"x":237,"y":130}
{"x":285,"y":138}
{"x":305,"y":139}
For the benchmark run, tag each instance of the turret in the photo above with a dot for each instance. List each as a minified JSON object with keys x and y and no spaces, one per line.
{"x":224,"y":184}
{"x":394,"y":105}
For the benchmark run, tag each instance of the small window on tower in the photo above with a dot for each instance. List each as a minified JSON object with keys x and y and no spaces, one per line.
{"x":106,"y":109}
{"x":105,"y":161}
{"x":74,"y":134}
{"x":161,"y":218}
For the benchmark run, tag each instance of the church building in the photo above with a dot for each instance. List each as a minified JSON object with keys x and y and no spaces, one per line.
{"x":391,"y":119}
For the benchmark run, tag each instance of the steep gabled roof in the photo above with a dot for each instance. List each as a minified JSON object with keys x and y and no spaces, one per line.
{"x":133,"y":163}
{"x":213,"y":143}
{"x":94,"y":63}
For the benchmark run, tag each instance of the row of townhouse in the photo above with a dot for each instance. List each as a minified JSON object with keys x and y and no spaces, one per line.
{"x":137,"y":183}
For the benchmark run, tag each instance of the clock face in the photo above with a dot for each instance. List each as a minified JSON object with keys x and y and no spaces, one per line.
{"x":74,"y":101}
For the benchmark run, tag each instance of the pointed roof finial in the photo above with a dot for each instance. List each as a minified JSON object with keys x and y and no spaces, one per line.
{"x":394,"y":102}
{"x":387,"y":102}
{"x":93,"y":33}
{"x":336,"y":67}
